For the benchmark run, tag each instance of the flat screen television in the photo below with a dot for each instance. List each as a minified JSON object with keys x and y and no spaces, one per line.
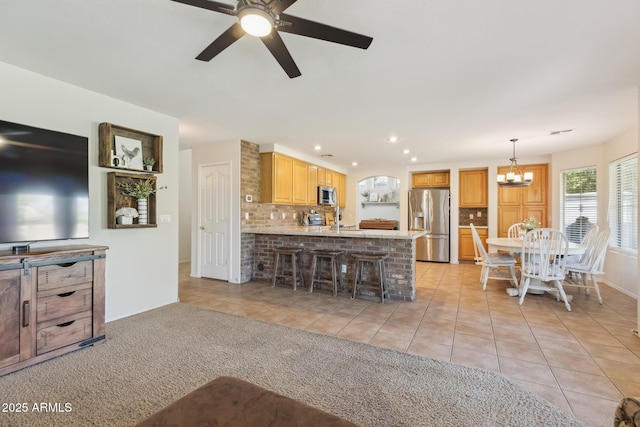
{"x":44,"y":184}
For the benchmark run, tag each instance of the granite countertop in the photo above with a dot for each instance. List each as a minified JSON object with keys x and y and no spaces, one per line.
{"x":325,"y":231}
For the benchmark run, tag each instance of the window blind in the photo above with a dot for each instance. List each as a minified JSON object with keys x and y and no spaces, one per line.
{"x":623,"y":203}
{"x":578,"y":202}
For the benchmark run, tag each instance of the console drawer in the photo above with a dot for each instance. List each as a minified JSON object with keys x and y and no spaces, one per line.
{"x":64,"y":334}
{"x":65,"y":304}
{"x":59,"y":276}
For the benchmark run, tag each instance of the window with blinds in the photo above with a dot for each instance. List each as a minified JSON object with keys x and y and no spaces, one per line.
{"x":623,"y":203}
{"x":578,"y":202}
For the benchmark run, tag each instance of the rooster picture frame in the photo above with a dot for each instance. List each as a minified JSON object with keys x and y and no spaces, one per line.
{"x":129,"y":152}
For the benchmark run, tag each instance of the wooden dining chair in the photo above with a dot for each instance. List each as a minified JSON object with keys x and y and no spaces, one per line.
{"x":496,"y":262}
{"x":543,"y":262}
{"x":590,"y":265}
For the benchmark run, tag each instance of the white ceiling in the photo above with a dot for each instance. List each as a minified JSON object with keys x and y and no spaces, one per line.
{"x":453,"y":79}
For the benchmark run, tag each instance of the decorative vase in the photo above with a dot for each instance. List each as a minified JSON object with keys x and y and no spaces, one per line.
{"x":142,"y":211}
{"x":149,"y":167}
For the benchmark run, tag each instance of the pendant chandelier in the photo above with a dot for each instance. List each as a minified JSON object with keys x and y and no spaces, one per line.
{"x":514,"y":176}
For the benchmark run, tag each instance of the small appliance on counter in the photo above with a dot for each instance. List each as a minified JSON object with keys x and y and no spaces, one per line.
{"x":312,"y":218}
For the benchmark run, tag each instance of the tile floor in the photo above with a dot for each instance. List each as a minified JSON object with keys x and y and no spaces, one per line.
{"x":583,"y":361}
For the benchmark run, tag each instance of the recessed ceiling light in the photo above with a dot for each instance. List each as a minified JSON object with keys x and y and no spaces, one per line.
{"x":354,"y":163}
{"x":413,"y":159}
{"x":406,"y":151}
{"x":317,"y":148}
{"x":393,"y":139}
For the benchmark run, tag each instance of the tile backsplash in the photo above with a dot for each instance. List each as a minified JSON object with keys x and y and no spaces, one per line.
{"x":464,"y":216}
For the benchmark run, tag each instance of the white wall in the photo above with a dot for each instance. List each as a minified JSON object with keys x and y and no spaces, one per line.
{"x":142,"y":264}
{"x":212,"y":154}
{"x":185,"y":201}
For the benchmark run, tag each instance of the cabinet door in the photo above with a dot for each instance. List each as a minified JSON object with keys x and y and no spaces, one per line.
{"x":322,"y":176}
{"x":540,"y":212}
{"x":536,"y":193}
{"x":466,"y":251}
{"x":508,"y":196}
{"x":342,"y":189}
{"x":312,"y":182}
{"x":507,"y":216}
{"x":420,"y":180}
{"x":282,"y":179}
{"x":300,"y":182}
{"x":14,"y":323}
{"x":328,"y":179}
{"x":473,"y":188}
{"x":439,"y":179}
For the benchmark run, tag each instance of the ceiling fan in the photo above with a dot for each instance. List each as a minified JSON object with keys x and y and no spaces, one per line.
{"x":264,"y":19}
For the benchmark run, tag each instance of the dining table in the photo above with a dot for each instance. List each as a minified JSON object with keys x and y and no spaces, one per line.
{"x":514,"y":246}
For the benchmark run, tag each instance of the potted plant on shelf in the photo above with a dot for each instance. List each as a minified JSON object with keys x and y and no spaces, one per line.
{"x":141,"y":189}
{"x":125,"y":215}
{"x":148,"y":163}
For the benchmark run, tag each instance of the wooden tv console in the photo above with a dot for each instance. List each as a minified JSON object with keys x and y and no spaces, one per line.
{"x":51,"y":303}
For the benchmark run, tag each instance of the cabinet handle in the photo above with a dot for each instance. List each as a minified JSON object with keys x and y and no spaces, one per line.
{"x":26,"y":313}
{"x":66,"y":294}
{"x":65,"y":324}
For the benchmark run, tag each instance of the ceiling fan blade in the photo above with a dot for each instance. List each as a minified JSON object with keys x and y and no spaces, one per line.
{"x":227,"y":38}
{"x":276,"y":46}
{"x":210,"y":5}
{"x":280,"y":5}
{"x":304,"y":27}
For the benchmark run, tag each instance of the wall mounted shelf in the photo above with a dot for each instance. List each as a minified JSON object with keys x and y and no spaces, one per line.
{"x":116,"y":200}
{"x":150,"y":145}
{"x":365,"y":204}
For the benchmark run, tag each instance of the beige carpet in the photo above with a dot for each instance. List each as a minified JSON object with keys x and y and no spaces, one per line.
{"x":152,"y":359}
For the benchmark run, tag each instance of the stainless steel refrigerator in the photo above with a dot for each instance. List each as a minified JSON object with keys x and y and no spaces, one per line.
{"x":429,"y":211}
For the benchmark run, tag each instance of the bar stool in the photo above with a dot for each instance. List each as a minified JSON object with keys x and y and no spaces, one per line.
{"x":334,"y":258}
{"x":295,"y":273}
{"x":376,"y":259}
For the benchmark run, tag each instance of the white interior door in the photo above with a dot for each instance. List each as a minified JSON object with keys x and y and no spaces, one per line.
{"x":215,"y":224}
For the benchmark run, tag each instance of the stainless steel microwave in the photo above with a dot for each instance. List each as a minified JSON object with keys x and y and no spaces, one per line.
{"x":326,"y":195}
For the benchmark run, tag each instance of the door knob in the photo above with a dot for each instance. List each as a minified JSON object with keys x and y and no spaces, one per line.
{"x":202,"y":227}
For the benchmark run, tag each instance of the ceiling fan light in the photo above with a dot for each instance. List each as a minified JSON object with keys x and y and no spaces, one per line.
{"x":256,"y":22}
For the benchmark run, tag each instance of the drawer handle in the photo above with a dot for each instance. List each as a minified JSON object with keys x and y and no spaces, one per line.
{"x":66,"y":294}
{"x":62,"y":325}
{"x":66,"y":264}
{"x":26,"y":313}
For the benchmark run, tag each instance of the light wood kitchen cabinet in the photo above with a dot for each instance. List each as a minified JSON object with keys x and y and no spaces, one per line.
{"x":515,"y":204}
{"x":288,"y":181}
{"x":300,"y":182}
{"x":473,"y":188}
{"x":341,"y":185}
{"x":322,"y":176}
{"x":312,"y":185}
{"x":466,"y":252}
{"x":430,"y":179}
{"x":276,"y":178}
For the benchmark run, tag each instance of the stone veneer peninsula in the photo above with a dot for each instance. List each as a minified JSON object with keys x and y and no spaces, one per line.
{"x":258,"y":257}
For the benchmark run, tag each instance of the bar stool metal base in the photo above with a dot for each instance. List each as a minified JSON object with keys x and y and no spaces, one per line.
{"x":372,"y":260}
{"x":295,"y":273}
{"x":334,"y":258}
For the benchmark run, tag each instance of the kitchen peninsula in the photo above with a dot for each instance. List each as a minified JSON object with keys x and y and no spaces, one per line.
{"x":257,"y":251}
